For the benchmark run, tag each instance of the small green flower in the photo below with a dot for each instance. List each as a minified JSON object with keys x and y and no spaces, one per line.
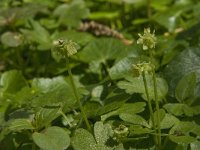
{"x":65,"y":48}
{"x":143,"y":67}
{"x":148,"y":39}
{"x":120,"y":133}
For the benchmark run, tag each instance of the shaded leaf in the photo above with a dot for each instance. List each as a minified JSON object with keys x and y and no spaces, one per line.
{"x":12,"y":81}
{"x":185,"y":87}
{"x":11,"y":39}
{"x":71,"y":14}
{"x":185,"y":63}
{"x":45,"y":116}
{"x":38,"y":35}
{"x":20,"y":124}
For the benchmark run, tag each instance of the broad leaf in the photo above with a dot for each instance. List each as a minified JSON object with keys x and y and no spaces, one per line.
{"x":12,"y":81}
{"x":102,"y":132}
{"x":53,"y":138}
{"x":71,"y":14}
{"x":136,"y":85}
{"x":168,"y":121}
{"x":185,"y":63}
{"x":38,"y":35}
{"x":83,"y":139}
{"x":122,"y":68}
{"x":186,"y":87}
{"x":180,"y":109}
{"x":11,"y":39}
{"x":103,"y":49}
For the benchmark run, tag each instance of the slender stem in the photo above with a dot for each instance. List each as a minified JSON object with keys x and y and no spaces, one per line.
{"x":149,"y":9}
{"x":76,"y":95}
{"x":157,"y":109}
{"x":149,"y":101}
{"x":157,"y":104}
{"x":33,"y":146}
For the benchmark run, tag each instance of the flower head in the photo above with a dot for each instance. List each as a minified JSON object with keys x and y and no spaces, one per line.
{"x":120,"y":132}
{"x":143,"y":67}
{"x":148,"y":39}
{"x":65,"y":48}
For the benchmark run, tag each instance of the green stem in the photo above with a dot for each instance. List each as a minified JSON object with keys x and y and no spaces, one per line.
{"x":33,"y":146}
{"x":149,"y":101}
{"x":157,"y":103}
{"x":149,"y":9}
{"x":157,"y":109}
{"x":76,"y":95}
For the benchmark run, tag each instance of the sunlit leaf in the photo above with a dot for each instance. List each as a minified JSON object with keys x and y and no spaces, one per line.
{"x":52,"y":138}
{"x":136,"y":85}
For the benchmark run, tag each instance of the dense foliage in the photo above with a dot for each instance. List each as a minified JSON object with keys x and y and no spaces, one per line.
{"x":106,"y":92}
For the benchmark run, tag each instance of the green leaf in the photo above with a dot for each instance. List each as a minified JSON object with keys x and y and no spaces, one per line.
{"x":136,"y":85}
{"x":113,"y":103}
{"x":103,"y":49}
{"x":170,"y":18}
{"x":185,"y":63}
{"x":81,"y":38}
{"x":132,"y":108}
{"x":179,"y":109}
{"x":102,"y":132}
{"x":161,"y":115}
{"x":38,"y":35}
{"x":185,"y":128}
{"x":195,"y":145}
{"x":54,"y":91}
{"x":122,"y":68}
{"x":134,"y":119}
{"x":47,"y":85}
{"x":11,"y":39}
{"x":12,"y":81}
{"x":182,"y":139}
{"x":129,"y":108}
{"x":20,"y":124}
{"x":168,"y":121}
{"x":104,"y":15}
{"x":53,"y":138}
{"x":45,"y":116}
{"x":83,"y":139}
{"x":71,"y":14}
{"x":185,"y":87}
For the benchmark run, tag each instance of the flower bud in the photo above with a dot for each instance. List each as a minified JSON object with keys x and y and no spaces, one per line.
{"x":65,"y":48}
{"x":148,"y":39}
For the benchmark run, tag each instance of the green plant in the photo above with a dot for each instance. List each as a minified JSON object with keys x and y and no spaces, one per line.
{"x":119,"y":97}
{"x":65,"y":49}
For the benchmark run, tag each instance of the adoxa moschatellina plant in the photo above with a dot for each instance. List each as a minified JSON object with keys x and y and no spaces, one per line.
{"x":65,"y":49}
{"x":148,"y":42}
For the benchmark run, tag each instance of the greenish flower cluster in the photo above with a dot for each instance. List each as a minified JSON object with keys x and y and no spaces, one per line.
{"x":120,"y":133}
{"x":148,"y":39}
{"x":65,"y":48}
{"x":143,"y":67}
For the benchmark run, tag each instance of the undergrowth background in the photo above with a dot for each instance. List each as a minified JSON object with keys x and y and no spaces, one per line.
{"x":38,"y":109}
